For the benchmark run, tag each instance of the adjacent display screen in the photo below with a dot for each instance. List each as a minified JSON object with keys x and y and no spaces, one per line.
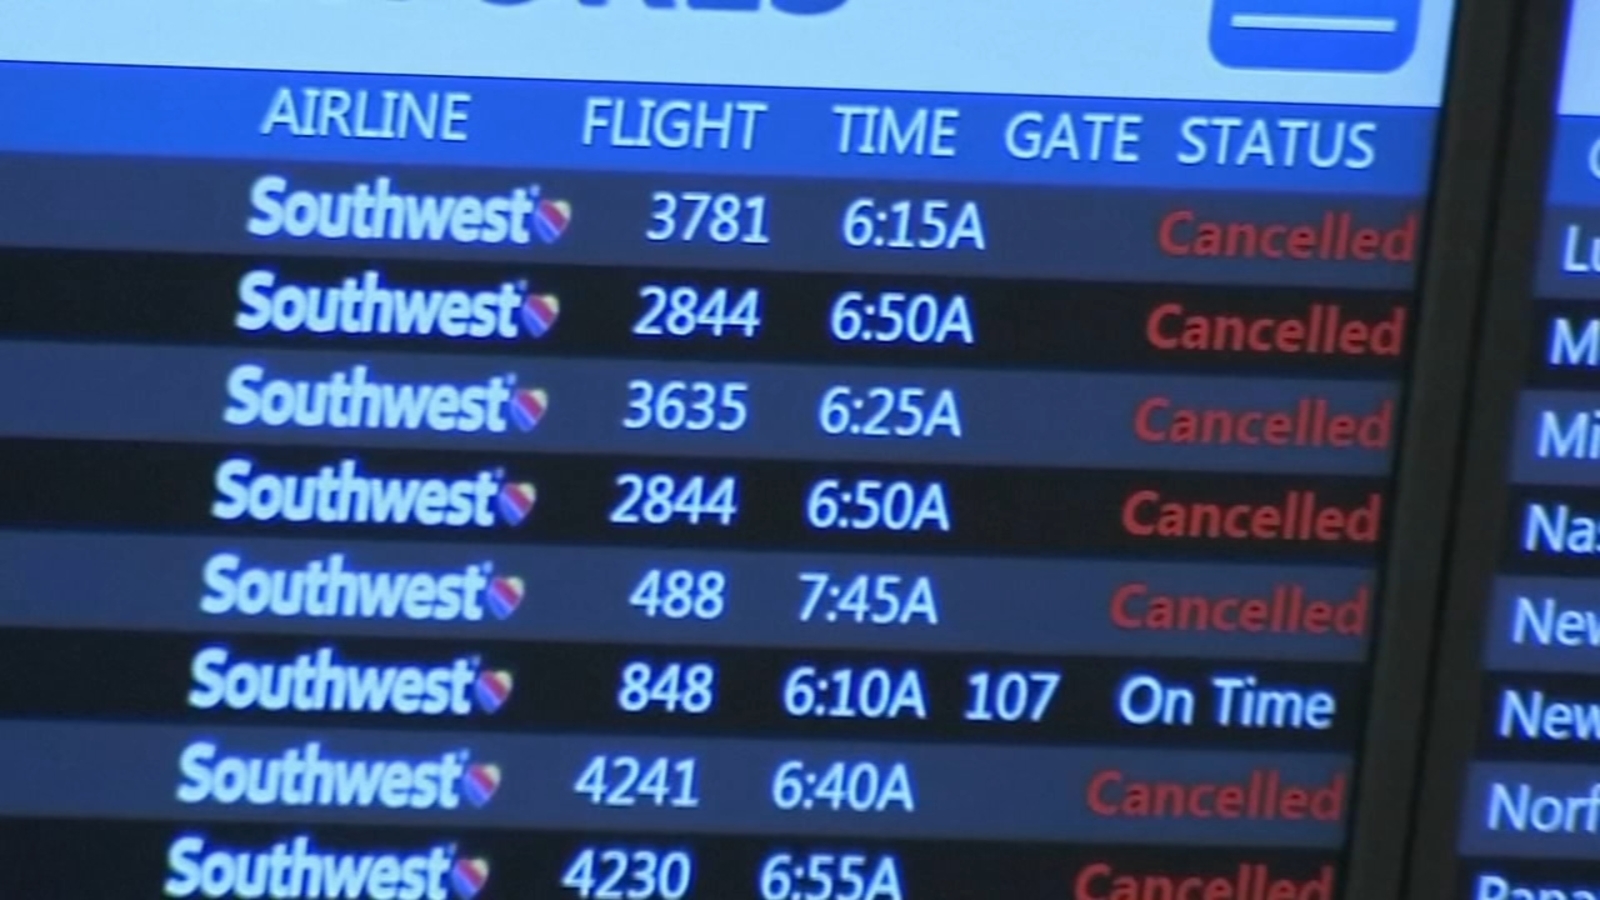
{"x":652,"y":450}
{"x":1528,"y":823}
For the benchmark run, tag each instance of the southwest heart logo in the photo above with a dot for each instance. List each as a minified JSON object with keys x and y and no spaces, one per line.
{"x":480,"y":783}
{"x":505,"y":595}
{"x":551,"y":219}
{"x":528,"y":406}
{"x":539,"y":313}
{"x":516,"y":501}
{"x":468,"y":877}
{"x":493,"y":689}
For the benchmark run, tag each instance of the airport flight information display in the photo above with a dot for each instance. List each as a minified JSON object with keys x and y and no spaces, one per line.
{"x":1531,"y":811}
{"x":651,"y":450}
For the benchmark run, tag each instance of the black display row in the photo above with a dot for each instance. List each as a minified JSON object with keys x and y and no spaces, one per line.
{"x":1546,"y":717}
{"x":492,"y":686}
{"x":704,"y":315}
{"x":711,"y":503}
{"x":504,"y":866}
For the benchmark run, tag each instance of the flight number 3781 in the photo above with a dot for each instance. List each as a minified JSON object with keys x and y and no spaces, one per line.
{"x":689,"y":216}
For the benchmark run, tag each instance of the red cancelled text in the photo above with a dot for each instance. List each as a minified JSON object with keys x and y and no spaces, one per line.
{"x":1299,"y":516}
{"x":1263,"y":795}
{"x":1336,"y":236}
{"x":1311,"y":422}
{"x":1286,"y":610}
{"x":1252,"y":881}
{"x":1324,"y":329}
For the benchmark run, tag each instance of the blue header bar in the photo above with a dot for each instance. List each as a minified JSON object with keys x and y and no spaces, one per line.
{"x":1575,"y":162}
{"x":797,"y":132}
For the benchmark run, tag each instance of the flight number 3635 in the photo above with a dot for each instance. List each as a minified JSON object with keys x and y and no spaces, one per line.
{"x":678,"y":405}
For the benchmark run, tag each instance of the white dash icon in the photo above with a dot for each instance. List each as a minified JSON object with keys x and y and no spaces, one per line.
{"x":1348,"y":24}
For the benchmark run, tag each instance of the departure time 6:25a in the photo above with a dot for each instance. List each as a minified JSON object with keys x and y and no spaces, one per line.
{"x":894,"y":412}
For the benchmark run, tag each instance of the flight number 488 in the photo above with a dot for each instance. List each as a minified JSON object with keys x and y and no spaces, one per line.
{"x":681,"y":594}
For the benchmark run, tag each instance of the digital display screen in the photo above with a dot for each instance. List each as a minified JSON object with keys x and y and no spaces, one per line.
{"x":654,"y":449}
{"x":1528,"y":820}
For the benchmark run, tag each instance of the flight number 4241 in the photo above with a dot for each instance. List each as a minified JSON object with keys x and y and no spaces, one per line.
{"x":624,"y":780}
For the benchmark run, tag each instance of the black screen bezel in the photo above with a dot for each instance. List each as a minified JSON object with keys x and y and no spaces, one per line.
{"x":1478,"y":524}
{"x":1462,"y":217}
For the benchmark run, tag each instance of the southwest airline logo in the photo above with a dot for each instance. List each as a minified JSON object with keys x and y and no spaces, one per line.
{"x":342,"y":493}
{"x":798,"y":7}
{"x":376,"y":211}
{"x":309,"y":775}
{"x":320,"y":681}
{"x":355,"y":398}
{"x":1327,"y":35}
{"x":364,"y":304}
{"x":296,"y":869}
{"x":330,"y":587}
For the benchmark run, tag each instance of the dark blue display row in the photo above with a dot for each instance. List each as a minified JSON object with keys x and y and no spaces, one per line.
{"x":790,"y":788}
{"x":720,"y":221}
{"x":563,"y":405}
{"x":1066,"y":607}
